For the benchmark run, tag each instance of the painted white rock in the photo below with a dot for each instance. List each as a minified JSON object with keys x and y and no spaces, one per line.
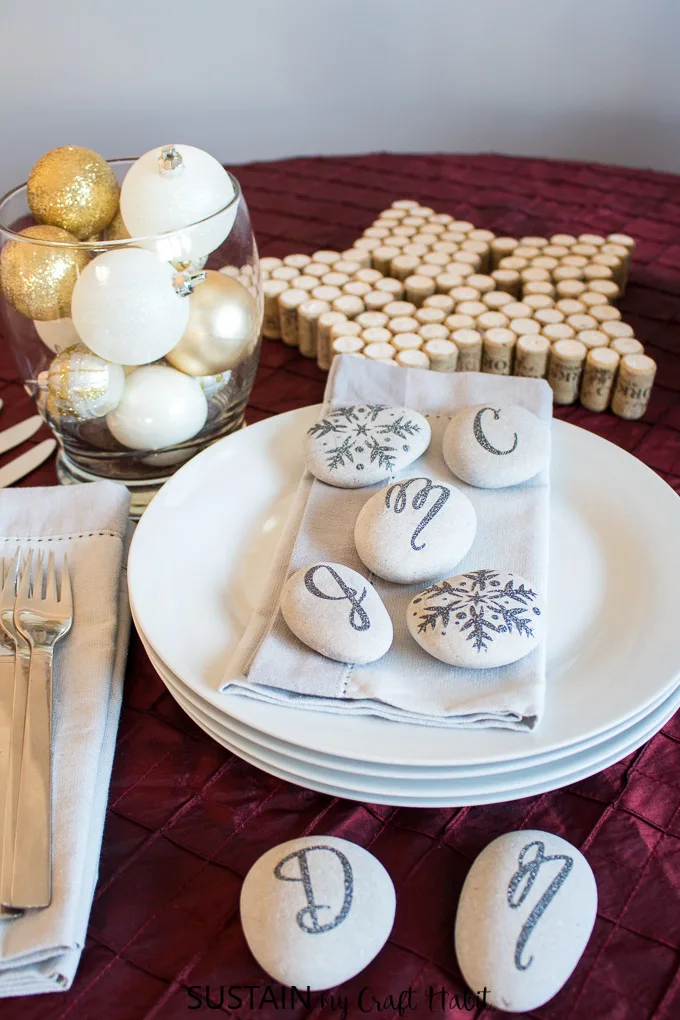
{"x":478,"y":620}
{"x":492,"y":445}
{"x":365,"y":443}
{"x":337,"y":612}
{"x":525,"y":915}
{"x":414,"y":530}
{"x":316,"y":911}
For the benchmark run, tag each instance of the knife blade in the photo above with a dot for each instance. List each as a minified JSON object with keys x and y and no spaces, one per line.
{"x":9,"y":438}
{"x":27,"y":462}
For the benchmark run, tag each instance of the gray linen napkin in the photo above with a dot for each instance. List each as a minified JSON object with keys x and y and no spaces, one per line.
{"x":40,"y":951}
{"x":407,"y":684}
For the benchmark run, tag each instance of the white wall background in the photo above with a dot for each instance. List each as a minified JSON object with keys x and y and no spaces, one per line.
{"x":261,"y":79}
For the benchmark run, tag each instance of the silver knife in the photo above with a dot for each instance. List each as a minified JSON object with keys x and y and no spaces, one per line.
{"x":9,"y":438}
{"x":27,"y":462}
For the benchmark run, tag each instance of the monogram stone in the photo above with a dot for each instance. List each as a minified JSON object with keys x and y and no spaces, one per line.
{"x":365,"y":443}
{"x":414,"y":530}
{"x":526,"y":912}
{"x":495,"y":445}
{"x":315,"y":911}
{"x":337,"y":612}
{"x":478,"y":620}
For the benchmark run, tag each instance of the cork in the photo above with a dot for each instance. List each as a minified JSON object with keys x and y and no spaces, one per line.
{"x":599,"y":375}
{"x":382,"y":257}
{"x":621,"y":252}
{"x":536,"y":302}
{"x":545,"y":262}
{"x":335,"y":279}
{"x":346,"y":329}
{"x":513,"y":262}
{"x":498,"y":350}
{"x":487,"y":236}
{"x":613,"y":262}
{"x":531,"y":356}
{"x":297,"y":261}
{"x":462,"y":226}
{"x":517,"y":310}
{"x":592,"y":338}
{"x":580,"y":321}
{"x":558,"y":331}
{"x":609,"y":290}
{"x":391,"y":286}
{"x":417,"y":288}
{"x":380,"y":232}
{"x":633,"y":386}
{"x":548,"y":316}
{"x":403,"y":324}
{"x":271,"y":325}
{"x":491,"y":320}
{"x":441,"y":218}
{"x":443,"y":355}
{"x":595,"y":272}
{"x":524,"y":326}
{"x":570,"y":306}
{"x":480,"y":248}
{"x":496,"y":299}
{"x":430,"y":271}
{"x":413,"y":359}
{"x":567,"y":240}
{"x":595,"y":239}
{"x":375,"y":300}
{"x":368,"y":244}
{"x":434,"y":331}
{"x":269,"y":263}
{"x":469,"y":258}
{"x":403,"y":265}
{"x":326,"y":255}
{"x":623,"y":239}
{"x":567,"y":358}
{"x":426,"y":316}
{"x":407,"y":341}
{"x":605,"y":313}
{"x":433,"y":228}
{"x":469,"y":344}
{"x":556,"y":251}
{"x":397,"y":308}
{"x":464,"y":293}
{"x":288,"y":303}
{"x":444,"y":302}
{"x":447,"y":247}
{"x":285,"y":273}
{"x":458,"y":321}
{"x":445,"y":282}
{"x":437,"y":258}
{"x":368,"y":276}
{"x":324,"y":325}
{"x":379,"y":352}
{"x":539,"y":287}
{"x":454,"y":236}
{"x":392,"y":214}
{"x":535,"y":275}
{"x":305,"y":282}
{"x":625,"y":345}
{"x":414,"y":221}
{"x":348,"y":305}
{"x":616,"y":329}
{"x":405,"y":203}
{"x":500,"y":248}
{"x":324,"y":292}
{"x":404,"y":231}
{"x":357,"y":289}
{"x":481,"y":282}
{"x":584,"y":249}
{"x":396,"y":241}
{"x":527,"y":251}
{"x":358,"y":255}
{"x":473,"y":308}
{"x":590,"y":298}
{"x":507,"y":280}
{"x":376,"y":335}
{"x":346,"y":345}
{"x":570,"y":288}
{"x":535,"y":241}
{"x":460,"y":269}
{"x":317,"y":269}
{"x":309,"y":313}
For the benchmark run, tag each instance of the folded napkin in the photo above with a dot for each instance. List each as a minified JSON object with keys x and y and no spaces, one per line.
{"x":406,"y":684}
{"x":40,"y":951}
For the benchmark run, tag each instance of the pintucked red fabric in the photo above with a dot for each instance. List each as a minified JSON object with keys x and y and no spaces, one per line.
{"x":186,"y":818}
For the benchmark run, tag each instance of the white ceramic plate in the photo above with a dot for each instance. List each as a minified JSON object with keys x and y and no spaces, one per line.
{"x":202,"y":549}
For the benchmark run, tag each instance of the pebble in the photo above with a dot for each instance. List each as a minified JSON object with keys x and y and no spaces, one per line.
{"x":525,"y":915}
{"x":315,"y":911}
{"x":493,"y":446}
{"x":414,"y":530}
{"x":478,"y":620}
{"x":365,"y":443}
{"x":337,"y":612}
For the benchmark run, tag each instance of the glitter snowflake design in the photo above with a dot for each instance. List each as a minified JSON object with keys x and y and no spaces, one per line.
{"x":480,"y":604}
{"x":364,"y":433}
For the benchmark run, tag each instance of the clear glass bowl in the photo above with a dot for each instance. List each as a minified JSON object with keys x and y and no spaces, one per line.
{"x":88,"y":449}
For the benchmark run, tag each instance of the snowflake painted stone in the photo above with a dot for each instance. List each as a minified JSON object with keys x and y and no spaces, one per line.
{"x":337,"y":612}
{"x":365,"y":443}
{"x":494,"y":445}
{"x":414,"y":530}
{"x":478,"y":620}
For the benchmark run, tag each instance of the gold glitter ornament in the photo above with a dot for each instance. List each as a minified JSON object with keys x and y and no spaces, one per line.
{"x":116,"y":230}
{"x":222,"y":330}
{"x":81,"y":385}
{"x":73,"y":188}
{"x":38,"y":279}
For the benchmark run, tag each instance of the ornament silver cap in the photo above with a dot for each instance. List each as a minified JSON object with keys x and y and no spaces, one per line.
{"x":170,"y":160}
{"x":185,"y":283}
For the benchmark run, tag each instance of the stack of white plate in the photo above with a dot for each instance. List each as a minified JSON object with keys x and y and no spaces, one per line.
{"x":201,"y":555}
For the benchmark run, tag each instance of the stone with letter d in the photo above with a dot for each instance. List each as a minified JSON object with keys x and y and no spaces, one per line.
{"x":495,"y":445}
{"x":315,"y":911}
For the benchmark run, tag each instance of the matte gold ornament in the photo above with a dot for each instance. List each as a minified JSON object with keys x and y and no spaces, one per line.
{"x":223,"y":327}
{"x":81,"y":385}
{"x":38,"y":279}
{"x":73,"y":188}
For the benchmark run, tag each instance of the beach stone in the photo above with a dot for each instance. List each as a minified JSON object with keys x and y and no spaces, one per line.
{"x":414,"y":530}
{"x":337,"y":612}
{"x":525,"y":915}
{"x":478,"y":620}
{"x":365,"y":443}
{"x":315,"y":911}
{"x":493,"y":445}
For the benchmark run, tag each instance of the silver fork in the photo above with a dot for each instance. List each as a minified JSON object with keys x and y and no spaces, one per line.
{"x":42,"y":620}
{"x":8,"y":665}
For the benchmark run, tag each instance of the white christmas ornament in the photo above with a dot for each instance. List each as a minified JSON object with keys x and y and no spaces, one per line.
{"x":159,"y":407}
{"x":172,"y":187}
{"x":57,"y":334}
{"x":126,"y":309}
{"x":212,"y":384}
{"x":82,"y":386}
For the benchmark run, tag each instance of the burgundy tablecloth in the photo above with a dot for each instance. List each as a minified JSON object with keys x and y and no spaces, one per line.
{"x":186,"y":819}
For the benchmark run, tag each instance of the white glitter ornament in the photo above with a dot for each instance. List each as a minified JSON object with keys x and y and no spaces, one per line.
{"x":126,"y":309}
{"x":57,"y":334}
{"x":159,"y":407}
{"x":172,"y":187}
{"x":82,"y":386}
